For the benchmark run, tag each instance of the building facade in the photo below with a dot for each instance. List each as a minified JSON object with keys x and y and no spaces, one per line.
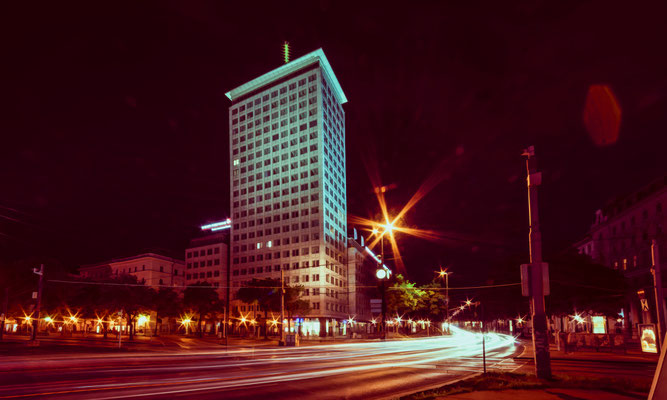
{"x":288,"y":184}
{"x":206,"y":261}
{"x":154,"y":270}
{"x":620,"y":238}
{"x":362,"y":264}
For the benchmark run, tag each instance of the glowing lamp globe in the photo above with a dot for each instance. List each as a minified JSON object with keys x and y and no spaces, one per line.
{"x":381,"y":273}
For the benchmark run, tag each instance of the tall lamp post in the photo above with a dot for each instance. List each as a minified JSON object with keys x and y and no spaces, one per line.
{"x":383,"y":274}
{"x":445,"y":273}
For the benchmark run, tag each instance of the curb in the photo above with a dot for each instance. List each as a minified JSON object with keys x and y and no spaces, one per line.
{"x":594,"y":360}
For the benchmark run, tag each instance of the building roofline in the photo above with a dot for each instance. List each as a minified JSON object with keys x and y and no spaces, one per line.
{"x":115,"y":260}
{"x":291,"y":67}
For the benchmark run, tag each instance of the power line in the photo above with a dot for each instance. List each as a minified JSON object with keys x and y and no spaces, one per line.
{"x":278,"y":287}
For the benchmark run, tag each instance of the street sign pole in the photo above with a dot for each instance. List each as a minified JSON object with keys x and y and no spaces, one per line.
{"x":537,"y":270}
{"x":35,"y":321}
{"x":657,"y":288}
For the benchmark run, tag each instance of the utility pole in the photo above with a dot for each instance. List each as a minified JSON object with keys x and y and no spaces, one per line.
{"x":384,"y":292}
{"x":657,"y":288}
{"x":384,"y":309}
{"x":536,"y":271}
{"x":447,"y":299}
{"x":120,"y":326}
{"x":282,"y":307}
{"x":35,"y":321}
{"x":228,"y":298}
{"x":481,"y":307}
{"x":5,"y":304}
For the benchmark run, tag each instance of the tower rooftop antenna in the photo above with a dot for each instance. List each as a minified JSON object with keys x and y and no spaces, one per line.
{"x":286,"y":52}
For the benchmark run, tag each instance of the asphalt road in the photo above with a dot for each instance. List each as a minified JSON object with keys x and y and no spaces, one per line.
{"x":369,"y":370}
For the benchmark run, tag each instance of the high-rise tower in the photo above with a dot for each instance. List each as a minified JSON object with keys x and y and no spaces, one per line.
{"x":288,"y":190}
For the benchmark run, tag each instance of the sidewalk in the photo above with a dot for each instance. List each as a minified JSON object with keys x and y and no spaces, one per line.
{"x":542,"y":394}
{"x":631,"y":356}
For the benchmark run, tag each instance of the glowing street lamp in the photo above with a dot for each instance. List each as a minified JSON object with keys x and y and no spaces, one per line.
{"x":388,"y":227}
{"x":185,"y":321}
{"x":445,"y":274}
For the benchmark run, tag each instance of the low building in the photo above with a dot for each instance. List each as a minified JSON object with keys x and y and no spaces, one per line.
{"x":621,"y":237}
{"x":154,"y":270}
{"x":206,"y":260}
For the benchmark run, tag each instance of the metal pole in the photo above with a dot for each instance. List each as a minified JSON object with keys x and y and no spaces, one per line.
{"x":384,"y":310}
{"x":224,"y":326}
{"x":5,"y":304}
{"x":120,"y":326}
{"x":657,"y":288}
{"x":540,"y":338}
{"x":229,"y":267}
{"x":481,"y":306}
{"x":35,"y":321}
{"x":282,"y":307}
{"x":384,"y":290}
{"x":447,"y":299}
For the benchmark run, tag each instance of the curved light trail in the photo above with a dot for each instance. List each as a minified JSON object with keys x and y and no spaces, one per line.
{"x":404,"y":363}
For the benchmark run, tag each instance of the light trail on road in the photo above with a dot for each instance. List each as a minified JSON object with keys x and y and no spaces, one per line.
{"x":246,"y":373}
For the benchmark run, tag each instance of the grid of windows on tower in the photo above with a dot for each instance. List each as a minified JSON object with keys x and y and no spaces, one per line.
{"x":288,"y":161}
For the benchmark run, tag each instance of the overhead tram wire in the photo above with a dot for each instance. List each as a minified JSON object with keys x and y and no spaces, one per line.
{"x":276,"y":287}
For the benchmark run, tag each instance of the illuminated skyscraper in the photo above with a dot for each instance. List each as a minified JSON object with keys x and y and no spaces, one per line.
{"x":288,"y":184}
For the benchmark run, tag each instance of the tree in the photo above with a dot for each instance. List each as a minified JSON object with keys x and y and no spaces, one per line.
{"x":127,"y":294}
{"x":264,"y":292}
{"x":201,"y":298}
{"x":403,"y":297}
{"x":294,"y":304}
{"x":167,"y":304}
{"x":431,"y":304}
{"x":577,"y":283}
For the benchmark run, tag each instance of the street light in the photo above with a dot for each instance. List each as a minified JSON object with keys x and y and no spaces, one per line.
{"x":445,"y":274}
{"x":383,"y":274}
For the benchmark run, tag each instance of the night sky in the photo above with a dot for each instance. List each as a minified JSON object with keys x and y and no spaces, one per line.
{"x":115,"y":128}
